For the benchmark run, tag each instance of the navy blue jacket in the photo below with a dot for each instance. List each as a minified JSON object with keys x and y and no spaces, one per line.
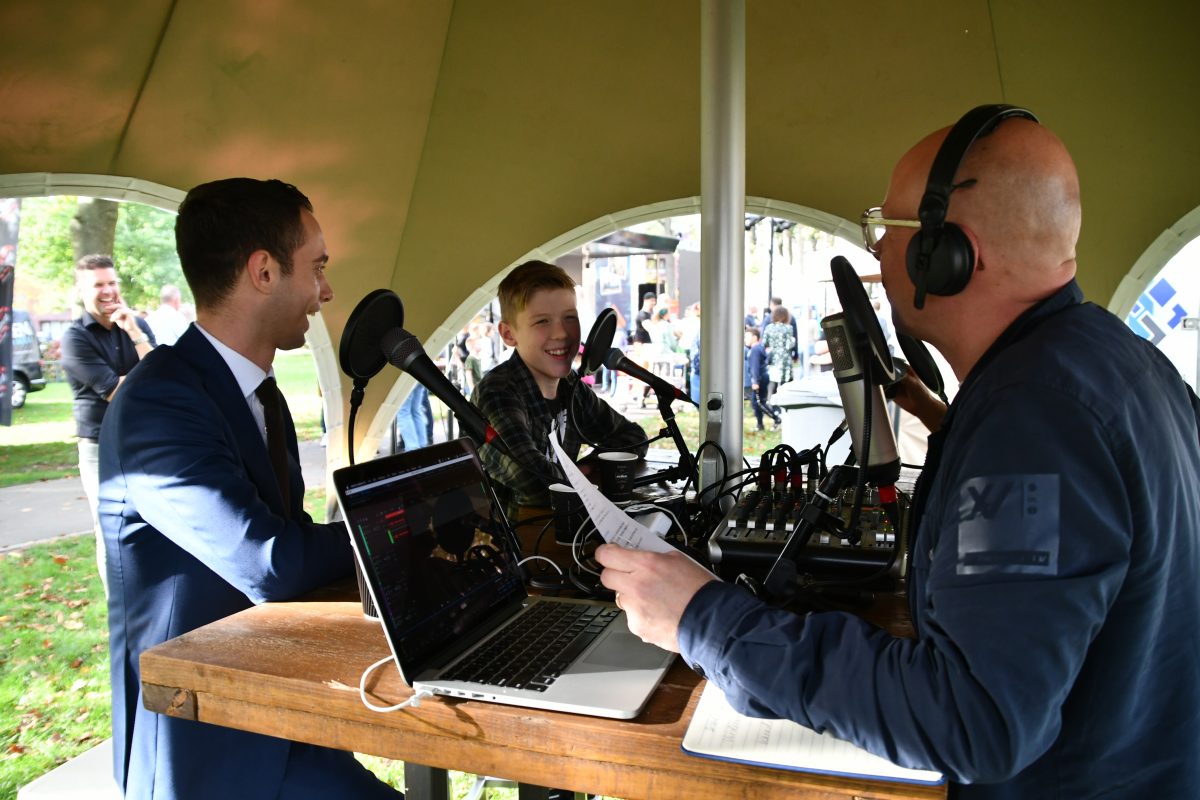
{"x":756,"y":366}
{"x":1053,"y":586}
{"x":195,"y":530}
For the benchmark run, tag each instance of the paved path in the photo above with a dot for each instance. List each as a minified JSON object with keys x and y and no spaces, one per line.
{"x":34,"y":512}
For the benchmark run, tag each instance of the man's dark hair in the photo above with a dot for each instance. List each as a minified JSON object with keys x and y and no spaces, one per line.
{"x":93,"y":262}
{"x":649,"y":296}
{"x":755,"y":332}
{"x":222,"y":223}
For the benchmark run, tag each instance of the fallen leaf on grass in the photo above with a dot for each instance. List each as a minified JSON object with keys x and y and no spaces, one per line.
{"x":61,"y":559}
{"x":77,"y":663}
{"x":16,"y":748}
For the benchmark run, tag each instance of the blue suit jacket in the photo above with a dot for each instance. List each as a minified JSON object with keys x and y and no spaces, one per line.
{"x":195,"y":530}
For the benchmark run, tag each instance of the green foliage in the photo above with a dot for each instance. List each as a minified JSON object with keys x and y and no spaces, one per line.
{"x":44,"y":246}
{"x":145,"y":255}
{"x":54,"y":686}
{"x":144,"y":251}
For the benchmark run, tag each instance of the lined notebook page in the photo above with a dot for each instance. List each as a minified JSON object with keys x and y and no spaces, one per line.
{"x":717,"y":731}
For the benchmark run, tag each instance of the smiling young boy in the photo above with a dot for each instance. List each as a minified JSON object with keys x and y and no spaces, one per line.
{"x":525,"y":395}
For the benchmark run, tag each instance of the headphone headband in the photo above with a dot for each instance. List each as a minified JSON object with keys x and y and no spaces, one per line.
{"x":940,"y":256}
{"x":977,"y":122}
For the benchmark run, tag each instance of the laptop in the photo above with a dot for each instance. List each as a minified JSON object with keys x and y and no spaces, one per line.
{"x":441,"y":563}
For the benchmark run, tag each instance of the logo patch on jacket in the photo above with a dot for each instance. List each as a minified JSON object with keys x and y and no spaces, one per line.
{"x":1008,"y":524}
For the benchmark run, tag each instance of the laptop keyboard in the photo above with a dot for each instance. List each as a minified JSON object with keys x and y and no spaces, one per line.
{"x":536,"y":648}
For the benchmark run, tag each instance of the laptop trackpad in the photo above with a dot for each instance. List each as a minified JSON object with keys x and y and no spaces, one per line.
{"x":624,"y":650}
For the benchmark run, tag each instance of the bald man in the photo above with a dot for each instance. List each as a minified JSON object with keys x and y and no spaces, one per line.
{"x":1053,"y":583}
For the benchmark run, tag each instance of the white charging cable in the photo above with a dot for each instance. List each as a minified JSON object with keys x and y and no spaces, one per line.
{"x":557,"y":568}
{"x":413,"y":701}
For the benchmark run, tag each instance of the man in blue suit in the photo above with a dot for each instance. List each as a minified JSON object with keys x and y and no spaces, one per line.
{"x":200,"y":499}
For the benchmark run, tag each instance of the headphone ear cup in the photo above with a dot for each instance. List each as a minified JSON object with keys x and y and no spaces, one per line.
{"x":950,"y":264}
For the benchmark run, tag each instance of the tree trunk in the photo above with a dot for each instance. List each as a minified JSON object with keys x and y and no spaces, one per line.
{"x":94,"y":227}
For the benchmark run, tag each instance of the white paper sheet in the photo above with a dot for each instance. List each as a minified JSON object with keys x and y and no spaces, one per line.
{"x":614,"y":525}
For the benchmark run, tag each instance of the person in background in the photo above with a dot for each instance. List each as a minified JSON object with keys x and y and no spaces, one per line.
{"x":99,"y":349}
{"x":415,"y":418}
{"x":610,"y":378}
{"x":780,"y":342}
{"x":769,"y":317}
{"x":756,"y":374}
{"x":644,"y":320}
{"x":1057,"y":522}
{"x":167,"y":321}
{"x":752,"y":320}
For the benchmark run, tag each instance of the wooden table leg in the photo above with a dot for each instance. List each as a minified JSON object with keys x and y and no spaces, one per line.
{"x":425,"y":783}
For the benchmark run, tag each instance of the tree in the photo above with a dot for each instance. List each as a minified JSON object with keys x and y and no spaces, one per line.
{"x":94,"y":226}
{"x":142,"y":245}
{"x":145,"y":255}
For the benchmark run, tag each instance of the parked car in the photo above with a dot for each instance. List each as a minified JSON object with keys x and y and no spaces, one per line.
{"x":26,"y":359}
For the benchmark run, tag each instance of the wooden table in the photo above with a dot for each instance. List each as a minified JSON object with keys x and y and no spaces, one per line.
{"x":292,"y":670}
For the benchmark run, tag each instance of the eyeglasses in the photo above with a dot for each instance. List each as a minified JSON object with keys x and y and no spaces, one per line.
{"x":874,"y":226}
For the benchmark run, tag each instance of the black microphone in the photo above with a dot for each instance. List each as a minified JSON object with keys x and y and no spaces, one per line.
{"x":881,"y":465}
{"x":404,"y":352}
{"x":599,"y":340}
{"x":617,"y":360}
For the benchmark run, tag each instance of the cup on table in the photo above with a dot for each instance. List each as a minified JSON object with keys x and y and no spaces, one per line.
{"x":616,"y":475}
{"x":568,"y":511}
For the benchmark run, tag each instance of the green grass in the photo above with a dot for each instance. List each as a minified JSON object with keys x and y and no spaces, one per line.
{"x":296,"y":374}
{"x":54,"y":681}
{"x":27,"y":463}
{"x":51,"y":405}
{"x":54,"y":684}
{"x":754,"y":443}
{"x":40,"y":444}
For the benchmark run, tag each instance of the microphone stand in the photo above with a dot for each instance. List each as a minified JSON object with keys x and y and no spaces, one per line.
{"x":686,"y":466}
{"x":781,"y":580}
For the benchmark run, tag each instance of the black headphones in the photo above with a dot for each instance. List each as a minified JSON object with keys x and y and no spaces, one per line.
{"x":940,"y":256}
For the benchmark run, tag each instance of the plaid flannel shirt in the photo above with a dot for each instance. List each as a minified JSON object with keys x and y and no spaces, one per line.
{"x":510,"y":400}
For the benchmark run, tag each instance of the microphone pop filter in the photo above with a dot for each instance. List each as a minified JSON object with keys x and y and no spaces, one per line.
{"x":922,"y":363}
{"x":599,"y":341}
{"x":360,"y":353}
{"x":861,"y":316}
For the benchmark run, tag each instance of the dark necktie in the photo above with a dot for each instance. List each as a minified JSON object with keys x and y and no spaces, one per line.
{"x":268,"y":394}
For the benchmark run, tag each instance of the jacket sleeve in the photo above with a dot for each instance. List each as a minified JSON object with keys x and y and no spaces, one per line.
{"x":1002,"y":638}
{"x":183,"y":473}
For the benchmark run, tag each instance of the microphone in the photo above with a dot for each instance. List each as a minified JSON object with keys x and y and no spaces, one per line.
{"x":599,"y":340}
{"x":617,"y":360}
{"x":881,"y":465}
{"x":404,"y":352}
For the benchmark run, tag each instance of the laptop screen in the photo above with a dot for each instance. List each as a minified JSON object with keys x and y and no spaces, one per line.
{"x":438,"y":551}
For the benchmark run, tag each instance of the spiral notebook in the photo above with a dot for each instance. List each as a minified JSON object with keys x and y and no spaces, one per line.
{"x":717,"y":731}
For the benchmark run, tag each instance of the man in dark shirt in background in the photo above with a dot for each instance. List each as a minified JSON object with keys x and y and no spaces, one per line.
{"x":98,"y":351}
